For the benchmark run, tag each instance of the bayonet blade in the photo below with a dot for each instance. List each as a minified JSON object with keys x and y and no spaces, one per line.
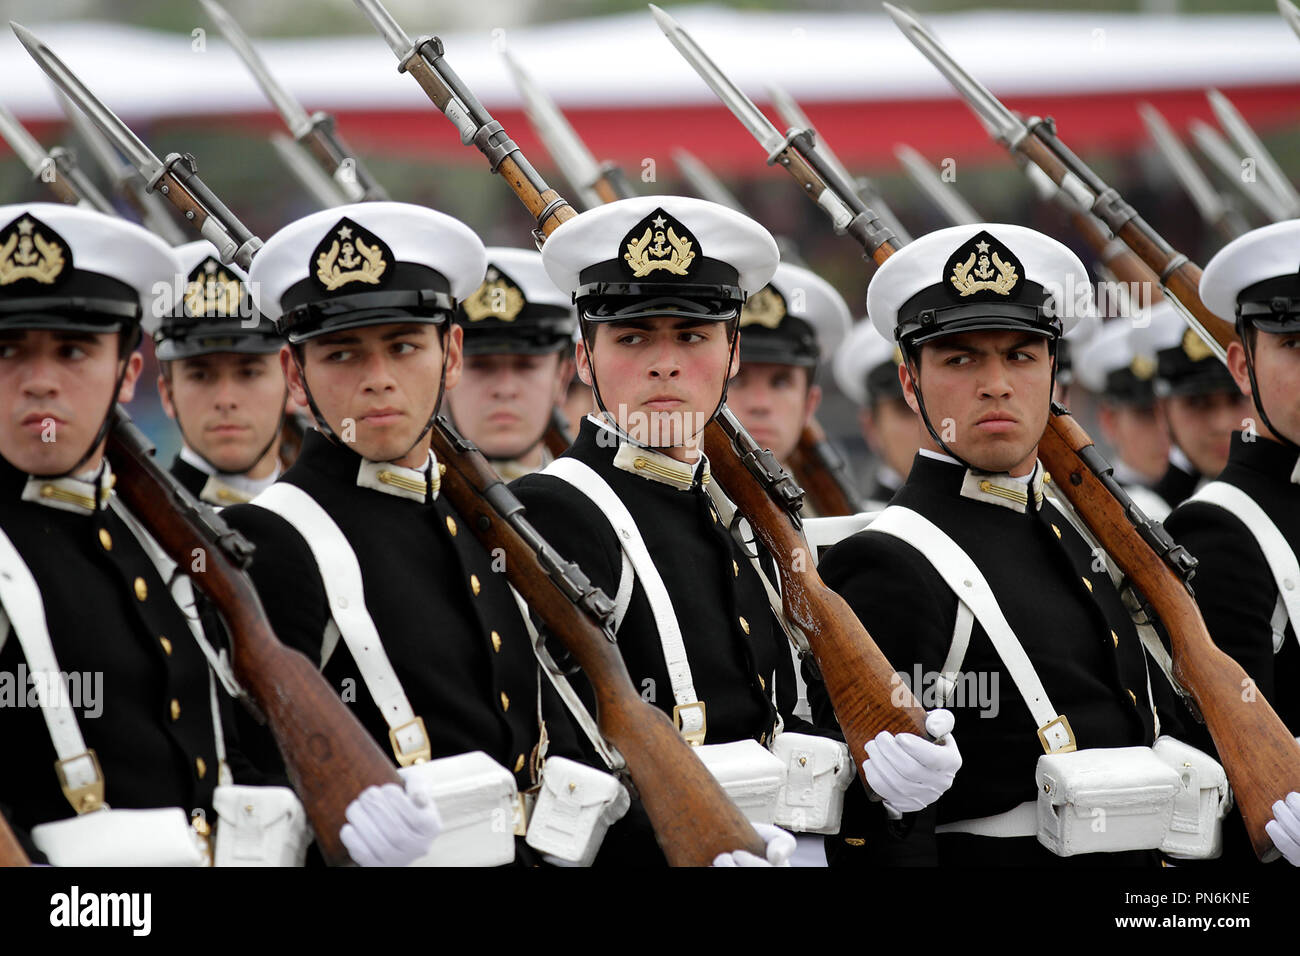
{"x":1249,"y":145}
{"x":942,"y":194}
{"x":25,"y":145}
{"x":1290,"y":13}
{"x":996,"y":117}
{"x":293,"y":113}
{"x":750,"y":116}
{"x":118,"y":133}
{"x":401,"y":44}
{"x":322,"y":186}
{"x":703,"y":181}
{"x":1221,"y":154}
{"x":558,"y":135}
{"x":1204,"y":196}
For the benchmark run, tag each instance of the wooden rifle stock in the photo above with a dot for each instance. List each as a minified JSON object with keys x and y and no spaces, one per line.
{"x":821,"y":472}
{"x":865,"y":692}
{"x":11,"y":851}
{"x":330,"y":757}
{"x":1260,"y":756}
{"x":692,"y":816}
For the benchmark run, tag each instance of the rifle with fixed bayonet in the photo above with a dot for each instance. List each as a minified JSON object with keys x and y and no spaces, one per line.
{"x":1228,"y":162}
{"x":56,"y":168}
{"x":315,"y":180}
{"x":329,"y":756}
{"x":695,"y":823}
{"x":154,"y":214}
{"x":1249,"y":145}
{"x":1261,"y":758}
{"x":317,"y":131}
{"x":1215,"y":209}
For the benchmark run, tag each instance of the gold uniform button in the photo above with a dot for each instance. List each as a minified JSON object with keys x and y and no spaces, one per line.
{"x":762,"y":683}
{"x":1057,"y":530}
{"x":176,"y":709}
{"x":1047,"y":477}
{"x":442,"y":469}
{"x":714,"y":514}
{"x":1087,"y":584}
{"x":855,"y":841}
{"x":451,"y":525}
{"x":1133,"y":697}
{"x":200,"y":766}
{"x":744,"y":625}
{"x":141,"y":589}
{"x":473,"y":584}
{"x":735,"y":569}
{"x":1115,"y":638}
{"x":505,"y":701}
{"x":519,"y":764}
{"x":166,"y":645}
{"x":496,"y":642}
{"x":105,"y":539}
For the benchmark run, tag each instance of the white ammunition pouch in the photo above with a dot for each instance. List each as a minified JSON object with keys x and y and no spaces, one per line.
{"x":575,"y":807}
{"x":1203,"y":800}
{"x":259,"y":826}
{"x":817,"y":771}
{"x":1104,"y":800}
{"x":478,"y":802}
{"x":751,"y":775}
{"x":157,"y":837}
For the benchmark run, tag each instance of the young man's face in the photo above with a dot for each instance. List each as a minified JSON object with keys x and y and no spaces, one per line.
{"x":774,"y":403}
{"x":893,"y":432}
{"x":55,"y":390}
{"x":376,"y":386}
{"x":660,"y":377}
{"x":1277,"y":371}
{"x":503,"y":403}
{"x":1202,"y":426}
{"x":1139,"y":436}
{"x":229,"y":407}
{"x":988,"y":396}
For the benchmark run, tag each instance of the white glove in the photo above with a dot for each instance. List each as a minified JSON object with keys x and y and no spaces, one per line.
{"x":1284,"y":828}
{"x":909,"y":773}
{"x":780,"y":847}
{"x":389,"y":826}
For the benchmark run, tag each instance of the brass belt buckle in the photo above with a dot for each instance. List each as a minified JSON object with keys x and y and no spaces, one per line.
{"x":1057,"y":729}
{"x":87,"y":796}
{"x":524,"y":811}
{"x":420,"y":754}
{"x":692,"y":737}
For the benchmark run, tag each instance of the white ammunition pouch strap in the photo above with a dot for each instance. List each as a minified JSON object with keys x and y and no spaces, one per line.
{"x":689,"y":712}
{"x":78,"y":768}
{"x":1279,"y":554}
{"x":340,"y":573}
{"x":962,"y":575}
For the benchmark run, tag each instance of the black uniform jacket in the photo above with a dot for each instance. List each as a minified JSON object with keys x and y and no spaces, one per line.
{"x":734,"y":645}
{"x":113,"y":622}
{"x":1067,"y":615}
{"x":440,"y":603}
{"x":1237,"y":592}
{"x":1177,"y":485}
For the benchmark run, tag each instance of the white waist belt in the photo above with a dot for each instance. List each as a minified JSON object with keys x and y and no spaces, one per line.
{"x":1021,"y":821}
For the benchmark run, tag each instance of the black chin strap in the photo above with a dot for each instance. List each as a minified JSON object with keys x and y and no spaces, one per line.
{"x":1256,"y":398}
{"x":279,"y":426}
{"x":733,"y":327}
{"x":913,"y":361}
{"x":330,"y":433}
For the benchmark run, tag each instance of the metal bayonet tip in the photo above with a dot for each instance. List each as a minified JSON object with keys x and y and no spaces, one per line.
{"x":905,"y":19}
{"x":26,"y":37}
{"x":666,"y":22}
